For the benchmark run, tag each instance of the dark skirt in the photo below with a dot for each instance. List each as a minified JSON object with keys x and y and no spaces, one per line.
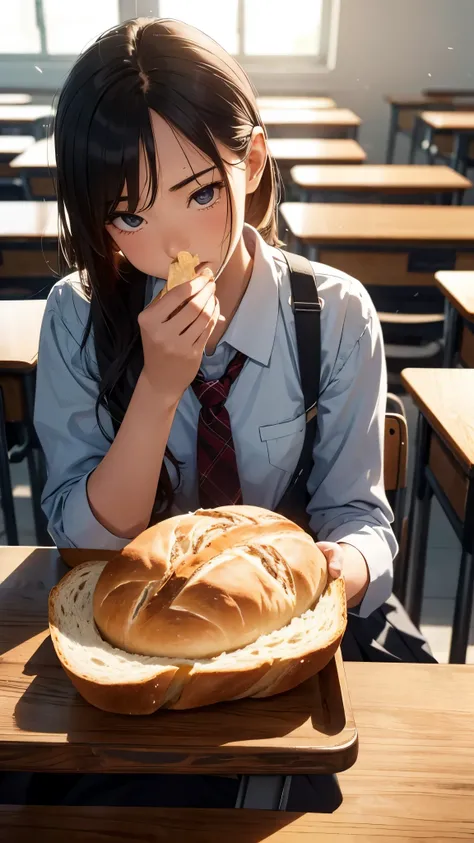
{"x":387,"y":635}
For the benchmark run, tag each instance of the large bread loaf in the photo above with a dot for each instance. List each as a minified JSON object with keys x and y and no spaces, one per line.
{"x":201,"y":608}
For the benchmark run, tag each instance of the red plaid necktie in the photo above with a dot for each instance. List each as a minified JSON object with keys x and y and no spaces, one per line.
{"x":219,"y":483}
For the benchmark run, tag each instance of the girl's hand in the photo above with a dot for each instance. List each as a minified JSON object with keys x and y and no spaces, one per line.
{"x":345,"y":560}
{"x":175,"y":330}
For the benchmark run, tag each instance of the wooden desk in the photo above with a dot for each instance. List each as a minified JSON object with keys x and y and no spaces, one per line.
{"x":45,"y":725}
{"x":20,"y":325}
{"x":11,"y":146}
{"x":458,"y":290}
{"x":380,"y":180}
{"x":448,"y":93}
{"x":28,"y":248}
{"x":404,"y":109}
{"x":445,"y":468}
{"x":435,"y":126}
{"x":37,"y":168}
{"x":295,"y":102}
{"x":392,"y":249}
{"x":15,"y":99}
{"x":413,"y":779}
{"x":292,"y":122}
{"x":26,"y":119}
{"x":289,"y":152}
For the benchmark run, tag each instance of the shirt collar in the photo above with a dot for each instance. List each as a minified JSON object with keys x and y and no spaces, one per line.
{"x":252,"y":330}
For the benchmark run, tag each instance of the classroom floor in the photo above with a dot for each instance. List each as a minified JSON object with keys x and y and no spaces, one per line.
{"x":441,"y":574}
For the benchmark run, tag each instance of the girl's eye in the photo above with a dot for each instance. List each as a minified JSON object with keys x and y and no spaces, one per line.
{"x":207,"y":196}
{"x":127,"y":222}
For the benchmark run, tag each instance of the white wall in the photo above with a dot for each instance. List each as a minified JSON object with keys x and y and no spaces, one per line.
{"x":384,"y":46}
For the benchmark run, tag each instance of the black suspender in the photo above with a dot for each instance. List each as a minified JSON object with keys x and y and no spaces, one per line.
{"x":307,"y":310}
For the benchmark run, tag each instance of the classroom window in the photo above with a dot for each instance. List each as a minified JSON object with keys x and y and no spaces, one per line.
{"x":259,"y":29}
{"x":266,"y":36}
{"x":53,"y":27}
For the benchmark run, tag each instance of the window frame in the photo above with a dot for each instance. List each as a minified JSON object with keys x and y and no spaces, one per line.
{"x":263,"y":67}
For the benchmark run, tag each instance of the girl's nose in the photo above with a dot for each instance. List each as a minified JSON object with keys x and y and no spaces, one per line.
{"x":175,"y":245}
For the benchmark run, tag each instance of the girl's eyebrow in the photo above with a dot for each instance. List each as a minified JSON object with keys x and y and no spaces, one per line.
{"x":180,"y":184}
{"x":194,"y":177}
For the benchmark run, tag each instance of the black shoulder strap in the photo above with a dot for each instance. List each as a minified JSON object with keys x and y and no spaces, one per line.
{"x":306,"y":306}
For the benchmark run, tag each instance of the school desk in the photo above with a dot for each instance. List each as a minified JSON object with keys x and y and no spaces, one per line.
{"x":36,"y":167}
{"x":449,"y":133}
{"x":295,"y":102}
{"x":444,"y":467}
{"x":413,"y":778}
{"x":45,"y":725}
{"x":289,"y":152}
{"x":15,"y":99}
{"x":403,"y":111}
{"x":450,"y":93}
{"x":392,"y":249}
{"x":380,"y":181}
{"x":20,"y":325}
{"x":458,"y":290}
{"x":11,"y":146}
{"x":28,"y":248}
{"x":26,"y":119}
{"x":311,"y":123}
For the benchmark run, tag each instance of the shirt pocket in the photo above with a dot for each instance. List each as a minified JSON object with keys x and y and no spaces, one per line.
{"x":284,"y":442}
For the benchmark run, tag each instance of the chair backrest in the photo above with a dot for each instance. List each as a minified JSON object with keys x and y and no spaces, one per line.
{"x":396,"y":452}
{"x":396,"y":466}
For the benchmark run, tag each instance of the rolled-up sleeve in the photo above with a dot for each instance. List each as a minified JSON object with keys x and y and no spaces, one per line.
{"x":348,"y":501}
{"x":66,"y":424}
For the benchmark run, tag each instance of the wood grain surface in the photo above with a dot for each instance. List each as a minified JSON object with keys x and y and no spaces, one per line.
{"x":340,"y":117}
{"x":45,"y":724}
{"x":20,"y":325}
{"x":28,"y":220}
{"x":39,"y":155}
{"x":413,"y":780}
{"x":295,"y":102}
{"x":458,"y":287}
{"x":446,"y":399}
{"x":408,"y":224}
{"x":451,"y":121}
{"x":24,"y":113}
{"x":386,"y":178}
{"x":401,"y":818}
{"x":291,"y":151}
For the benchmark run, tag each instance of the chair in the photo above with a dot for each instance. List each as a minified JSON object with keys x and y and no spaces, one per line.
{"x":395,"y":473}
{"x":20,"y":323}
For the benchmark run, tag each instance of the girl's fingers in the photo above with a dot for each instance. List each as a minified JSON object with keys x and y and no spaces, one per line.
{"x":202,"y":334}
{"x":334,"y":557}
{"x":191,"y":311}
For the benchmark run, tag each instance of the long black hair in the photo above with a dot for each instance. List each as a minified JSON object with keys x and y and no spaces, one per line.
{"x":102,"y":123}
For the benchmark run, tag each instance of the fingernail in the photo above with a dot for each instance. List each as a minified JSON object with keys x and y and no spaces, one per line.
{"x":207,"y":272}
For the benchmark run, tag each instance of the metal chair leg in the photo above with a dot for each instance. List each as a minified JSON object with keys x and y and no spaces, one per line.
{"x":465,"y":589}
{"x":414,"y":596}
{"x":6,"y":493}
{"x":418,"y":490}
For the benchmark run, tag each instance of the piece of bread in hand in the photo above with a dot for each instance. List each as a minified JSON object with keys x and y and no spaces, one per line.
{"x":220,"y":604}
{"x":182,"y":268}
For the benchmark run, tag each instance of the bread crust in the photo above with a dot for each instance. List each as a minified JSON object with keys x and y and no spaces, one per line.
{"x":199,"y":584}
{"x":258,"y":670}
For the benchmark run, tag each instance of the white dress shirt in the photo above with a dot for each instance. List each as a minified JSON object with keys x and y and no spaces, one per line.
{"x":266,"y":409}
